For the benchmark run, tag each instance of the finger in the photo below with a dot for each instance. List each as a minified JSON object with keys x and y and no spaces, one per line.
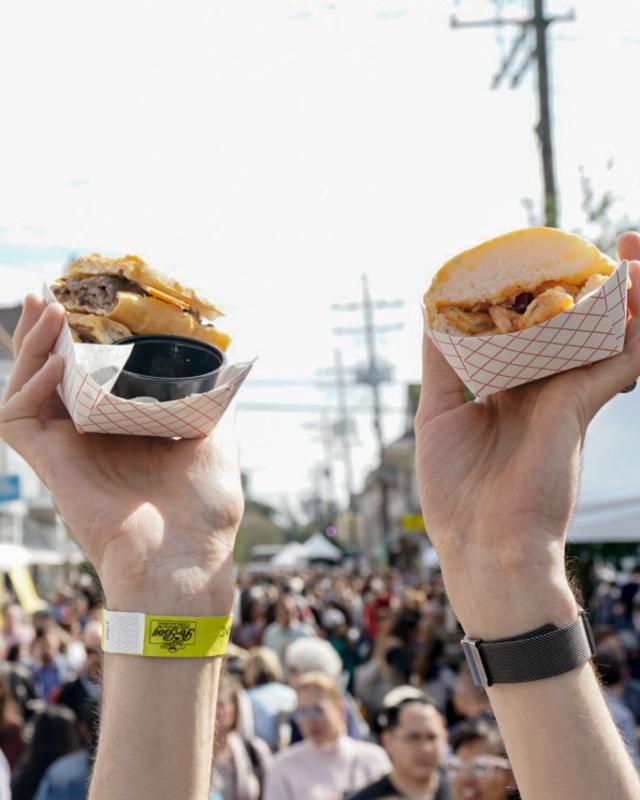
{"x":629,"y":246}
{"x":35,"y":348}
{"x":31,"y":312}
{"x":441,"y":390}
{"x":633,"y":296}
{"x":27,"y":403}
{"x":600,"y":382}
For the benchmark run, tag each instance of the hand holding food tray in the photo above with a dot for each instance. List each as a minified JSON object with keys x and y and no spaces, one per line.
{"x":525,"y":306}
{"x":140,"y":358}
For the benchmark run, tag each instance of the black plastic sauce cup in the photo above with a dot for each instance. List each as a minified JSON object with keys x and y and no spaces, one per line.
{"x":168,"y":368}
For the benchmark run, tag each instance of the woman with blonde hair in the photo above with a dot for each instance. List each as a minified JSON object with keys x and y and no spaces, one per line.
{"x":328,"y":763}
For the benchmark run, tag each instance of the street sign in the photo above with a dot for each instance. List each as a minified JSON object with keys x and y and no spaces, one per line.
{"x":9,"y":488}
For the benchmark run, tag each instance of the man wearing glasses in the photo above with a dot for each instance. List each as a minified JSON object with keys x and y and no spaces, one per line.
{"x":415,"y":737}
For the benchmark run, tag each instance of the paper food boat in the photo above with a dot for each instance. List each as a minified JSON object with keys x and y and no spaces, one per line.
{"x":592,"y":330}
{"x":90,"y":370}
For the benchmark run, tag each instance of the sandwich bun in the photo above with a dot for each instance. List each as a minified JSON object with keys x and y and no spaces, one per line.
{"x":480,"y":288}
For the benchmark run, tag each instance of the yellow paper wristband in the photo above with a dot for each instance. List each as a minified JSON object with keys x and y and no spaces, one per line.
{"x":164,"y":636}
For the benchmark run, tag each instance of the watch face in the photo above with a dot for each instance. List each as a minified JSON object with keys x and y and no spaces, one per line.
{"x":475,"y":662}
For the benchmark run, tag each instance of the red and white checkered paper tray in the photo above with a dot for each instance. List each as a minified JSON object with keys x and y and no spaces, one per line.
{"x":590,"y":331}
{"x":91,"y":370}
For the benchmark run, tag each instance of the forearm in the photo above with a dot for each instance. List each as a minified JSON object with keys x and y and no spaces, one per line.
{"x":559,"y":734}
{"x":157,"y":728}
{"x":562,"y":741}
{"x":158,"y":714}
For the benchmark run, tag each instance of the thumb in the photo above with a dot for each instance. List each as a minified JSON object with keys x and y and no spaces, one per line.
{"x":441,"y":390}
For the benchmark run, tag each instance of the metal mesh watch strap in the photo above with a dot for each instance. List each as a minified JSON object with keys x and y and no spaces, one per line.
{"x":542,"y":653}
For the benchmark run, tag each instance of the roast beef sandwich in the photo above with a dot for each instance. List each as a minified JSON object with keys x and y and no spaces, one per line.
{"x":107,"y":299}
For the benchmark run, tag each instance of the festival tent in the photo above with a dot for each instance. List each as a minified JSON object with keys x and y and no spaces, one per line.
{"x":318,"y":548}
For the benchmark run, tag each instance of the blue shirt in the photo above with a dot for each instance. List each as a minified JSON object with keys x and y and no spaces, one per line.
{"x":66,"y":779}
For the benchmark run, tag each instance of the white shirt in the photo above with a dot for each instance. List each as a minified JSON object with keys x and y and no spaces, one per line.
{"x":313,"y":773}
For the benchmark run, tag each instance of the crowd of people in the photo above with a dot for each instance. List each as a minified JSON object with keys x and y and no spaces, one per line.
{"x":339,"y":683}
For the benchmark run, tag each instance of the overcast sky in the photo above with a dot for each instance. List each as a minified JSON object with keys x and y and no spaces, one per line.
{"x":269,"y":153}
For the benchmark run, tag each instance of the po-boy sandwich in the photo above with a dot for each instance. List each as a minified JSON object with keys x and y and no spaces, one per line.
{"x":514,"y":282}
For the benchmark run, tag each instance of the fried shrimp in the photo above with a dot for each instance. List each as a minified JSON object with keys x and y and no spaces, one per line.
{"x":544,"y":307}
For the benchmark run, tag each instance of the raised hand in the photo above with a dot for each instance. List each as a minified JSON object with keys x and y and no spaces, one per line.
{"x":150,"y":513}
{"x":498,"y":480}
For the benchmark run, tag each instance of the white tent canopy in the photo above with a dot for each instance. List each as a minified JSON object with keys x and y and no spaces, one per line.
{"x":290,"y":555}
{"x":316,"y":548}
{"x":608,"y":508}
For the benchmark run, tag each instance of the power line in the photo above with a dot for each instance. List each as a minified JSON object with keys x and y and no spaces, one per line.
{"x":539,"y":24}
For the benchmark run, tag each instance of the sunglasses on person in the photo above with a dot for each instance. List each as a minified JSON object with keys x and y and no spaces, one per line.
{"x":481,"y":767}
{"x":311,"y":713}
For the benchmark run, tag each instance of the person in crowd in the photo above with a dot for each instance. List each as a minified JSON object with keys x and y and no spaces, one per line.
{"x":240,"y":762}
{"x":390,"y":661}
{"x":11,"y":726}
{"x":630,"y":591}
{"x":272,"y":701}
{"x":15,"y":631}
{"x":55,"y":734}
{"x":48,"y":665}
{"x":479,"y":768}
{"x":68,"y":777}
{"x":252,"y":623}
{"x":344,"y":639}
{"x":612,"y":670}
{"x":19,"y":681}
{"x":286,"y":628}
{"x":470,"y":702}
{"x":431,"y":674}
{"x":414,"y":734}
{"x":608,"y":639}
{"x":317,"y":655}
{"x":328,"y":763}
{"x":88,"y":684}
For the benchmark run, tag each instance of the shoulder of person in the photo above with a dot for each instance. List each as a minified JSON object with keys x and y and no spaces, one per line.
{"x":380,"y":790}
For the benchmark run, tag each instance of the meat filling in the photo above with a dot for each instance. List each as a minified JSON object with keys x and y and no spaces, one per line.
{"x":521,"y":311}
{"x":98,"y":294}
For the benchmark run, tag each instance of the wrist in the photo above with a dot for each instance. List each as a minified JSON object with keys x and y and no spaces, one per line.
{"x":177,"y":592}
{"x":512,"y":604}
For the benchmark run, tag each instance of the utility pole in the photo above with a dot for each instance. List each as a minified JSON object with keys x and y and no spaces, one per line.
{"x":374,"y":376}
{"x":538,"y":23}
{"x":343,"y":427}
